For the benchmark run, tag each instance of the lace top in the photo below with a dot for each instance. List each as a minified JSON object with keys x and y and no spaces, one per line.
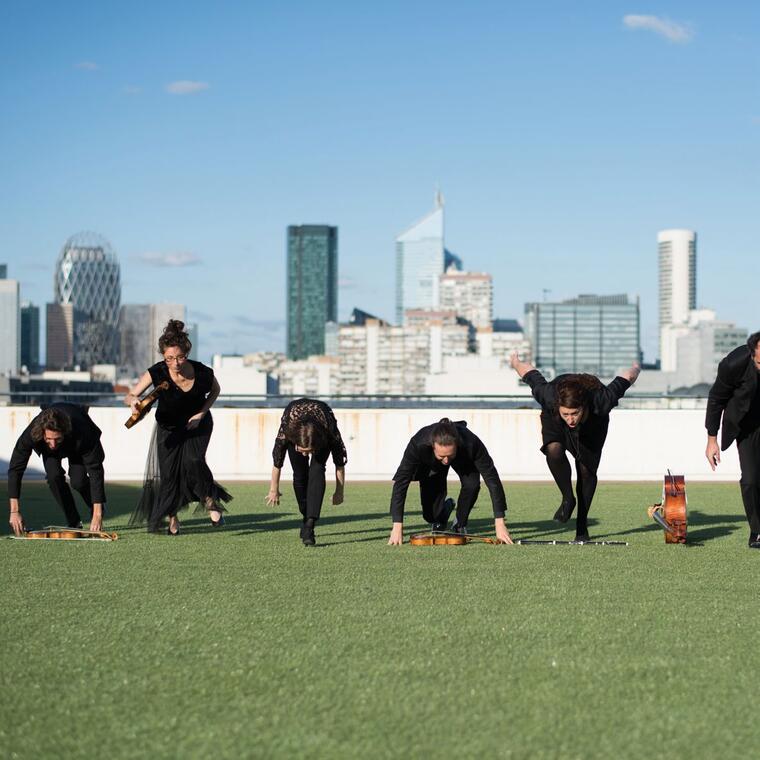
{"x":314,"y":411}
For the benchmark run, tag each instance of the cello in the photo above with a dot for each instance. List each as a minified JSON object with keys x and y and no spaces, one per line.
{"x":670,"y":513}
{"x":57,"y":533}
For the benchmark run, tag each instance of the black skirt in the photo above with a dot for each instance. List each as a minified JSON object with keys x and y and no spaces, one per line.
{"x":176,"y":475}
{"x":585,"y":442}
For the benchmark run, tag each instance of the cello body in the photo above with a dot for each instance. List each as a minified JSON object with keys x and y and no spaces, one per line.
{"x":671,"y":513}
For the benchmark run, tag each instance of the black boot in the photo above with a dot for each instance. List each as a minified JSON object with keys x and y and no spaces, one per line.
{"x":307,"y":533}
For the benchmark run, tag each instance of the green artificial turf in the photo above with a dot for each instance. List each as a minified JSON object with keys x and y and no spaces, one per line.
{"x":241,"y":642}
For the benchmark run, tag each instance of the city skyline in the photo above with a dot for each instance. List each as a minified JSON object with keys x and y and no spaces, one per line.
{"x":564,"y":140}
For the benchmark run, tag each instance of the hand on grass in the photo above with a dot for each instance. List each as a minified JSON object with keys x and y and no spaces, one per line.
{"x":397,"y":535}
{"x":16,"y":522}
{"x":502,"y":534}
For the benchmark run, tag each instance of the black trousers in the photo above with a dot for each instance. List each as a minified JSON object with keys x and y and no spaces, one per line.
{"x":749,"y":460}
{"x":309,"y":480}
{"x":433,"y":495}
{"x":80,"y":481}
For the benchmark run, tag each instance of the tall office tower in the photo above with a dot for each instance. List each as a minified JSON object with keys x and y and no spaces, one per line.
{"x":60,"y":336}
{"x":420,"y":261}
{"x":30,"y":336}
{"x":312,"y":287}
{"x":469,"y":294}
{"x":594,"y":334}
{"x":140,"y":327}
{"x":3,"y":271}
{"x":677,"y":252}
{"x":10,"y":327}
{"x":88,"y":277}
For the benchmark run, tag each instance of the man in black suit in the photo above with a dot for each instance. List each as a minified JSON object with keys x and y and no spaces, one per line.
{"x":61,"y":431}
{"x":736,"y":396}
{"x":428,"y":456}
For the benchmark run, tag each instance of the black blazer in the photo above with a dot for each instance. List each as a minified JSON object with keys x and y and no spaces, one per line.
{"x":419,"y":462}
{"x":82,"y":444}
{"x":731,"y":395}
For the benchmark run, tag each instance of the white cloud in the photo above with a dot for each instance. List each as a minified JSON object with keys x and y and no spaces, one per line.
{"x":664,"y":27}
{"x":186,"y":87}
{"x":174,"y":259}
{"x":87,"y":66}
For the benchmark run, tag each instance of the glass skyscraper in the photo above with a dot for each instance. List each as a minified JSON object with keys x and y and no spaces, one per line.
{"x":594,"y":334}
{"x":312,"y":287}
{"x":420,"y":261}
{"x":30,"y":336}
{"x":88,"y":278}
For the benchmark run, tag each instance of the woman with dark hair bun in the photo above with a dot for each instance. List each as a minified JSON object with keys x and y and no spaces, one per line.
{"x":176,"y":473}
{"x":575,"y":416}
{"x":308,"y":434}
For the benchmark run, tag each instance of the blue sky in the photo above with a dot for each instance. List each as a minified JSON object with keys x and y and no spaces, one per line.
{"x":563,"y":136}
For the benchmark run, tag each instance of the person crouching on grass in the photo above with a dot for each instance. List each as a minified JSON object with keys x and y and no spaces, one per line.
{"x":428,"y":456}
{"x":309,"y":435}
{"x":61,"y":431}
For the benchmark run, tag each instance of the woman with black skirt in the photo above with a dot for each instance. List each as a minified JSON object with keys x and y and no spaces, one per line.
{"x":309,"y":434}
{"x":575,"y":416}
{"x":176,"y":473}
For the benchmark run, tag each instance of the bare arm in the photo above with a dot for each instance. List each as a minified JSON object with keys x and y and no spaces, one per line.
{"x":273,"y":497}
{"x":340,"y":482}
{"x":522,"y":368}
{"x":133,"y":397}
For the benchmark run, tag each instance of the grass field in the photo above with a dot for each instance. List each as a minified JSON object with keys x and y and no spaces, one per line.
{"x":243,"y":643}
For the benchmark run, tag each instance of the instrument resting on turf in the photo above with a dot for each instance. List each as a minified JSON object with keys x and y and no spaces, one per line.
{"x":144,"y":404}
{"x":444,"y":538}
{"x":670,"y":513}
{"x":58,"y":533}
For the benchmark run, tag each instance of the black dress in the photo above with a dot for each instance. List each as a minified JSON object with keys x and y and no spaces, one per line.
{"x":176,"y":473}
{"x":586,"y":441}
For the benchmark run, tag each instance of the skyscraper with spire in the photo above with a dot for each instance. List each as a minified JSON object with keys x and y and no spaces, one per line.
{"x":420,"y":261}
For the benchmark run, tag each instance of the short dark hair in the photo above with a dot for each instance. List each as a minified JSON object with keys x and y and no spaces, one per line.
{"x":752,"y":342}
{"x":306,"y":433}
{"x":50,"y":419}
{"x":445,"y":433}
{"x":175,"y":335}
{"x":574,"y":391}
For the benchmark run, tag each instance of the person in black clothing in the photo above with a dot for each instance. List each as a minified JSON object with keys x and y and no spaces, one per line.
{"x":735,"y":396}
{"x":309,"y":434}
{"x":61,"y":431}
{"x":575,"y":416}
{"x":428,"y":456}
{"x":176,"y":473}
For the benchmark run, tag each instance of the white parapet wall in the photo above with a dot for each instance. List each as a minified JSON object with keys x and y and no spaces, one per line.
{"x":642,"y":443}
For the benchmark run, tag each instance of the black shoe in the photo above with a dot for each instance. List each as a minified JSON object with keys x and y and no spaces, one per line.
{"x":754,"y":541}
{"x":307,"y":535}
{"x":581,"y":538}
{"x":457,"y":528}
{"x":564,"y":511}
{"x":219,"y":522}
{"x":441,"y":525}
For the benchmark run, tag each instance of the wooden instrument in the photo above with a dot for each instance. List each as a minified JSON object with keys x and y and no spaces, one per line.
{"x":145,"y":403}
{"x":444,"y":538}
{"x":670,"y":513}
{"x":57,"y":533}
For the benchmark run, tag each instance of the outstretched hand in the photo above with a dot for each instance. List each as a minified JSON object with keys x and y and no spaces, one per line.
{"x":631,"y":373}
{"x":522,"y":368}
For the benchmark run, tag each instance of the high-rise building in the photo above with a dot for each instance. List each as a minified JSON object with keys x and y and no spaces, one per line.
{"x":140,"y":327}
{"x":312,"y":288}
{"x":10,"y":327}
{"x":469,"y":295}
{"x":594,"y":334}
{"x":3,"y":271}
{"x":677,"y":254}
{"x":60,"y":335}
{"x":88,"y":277}
{"x":420,"y":261}
{"x":30,"y":336}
